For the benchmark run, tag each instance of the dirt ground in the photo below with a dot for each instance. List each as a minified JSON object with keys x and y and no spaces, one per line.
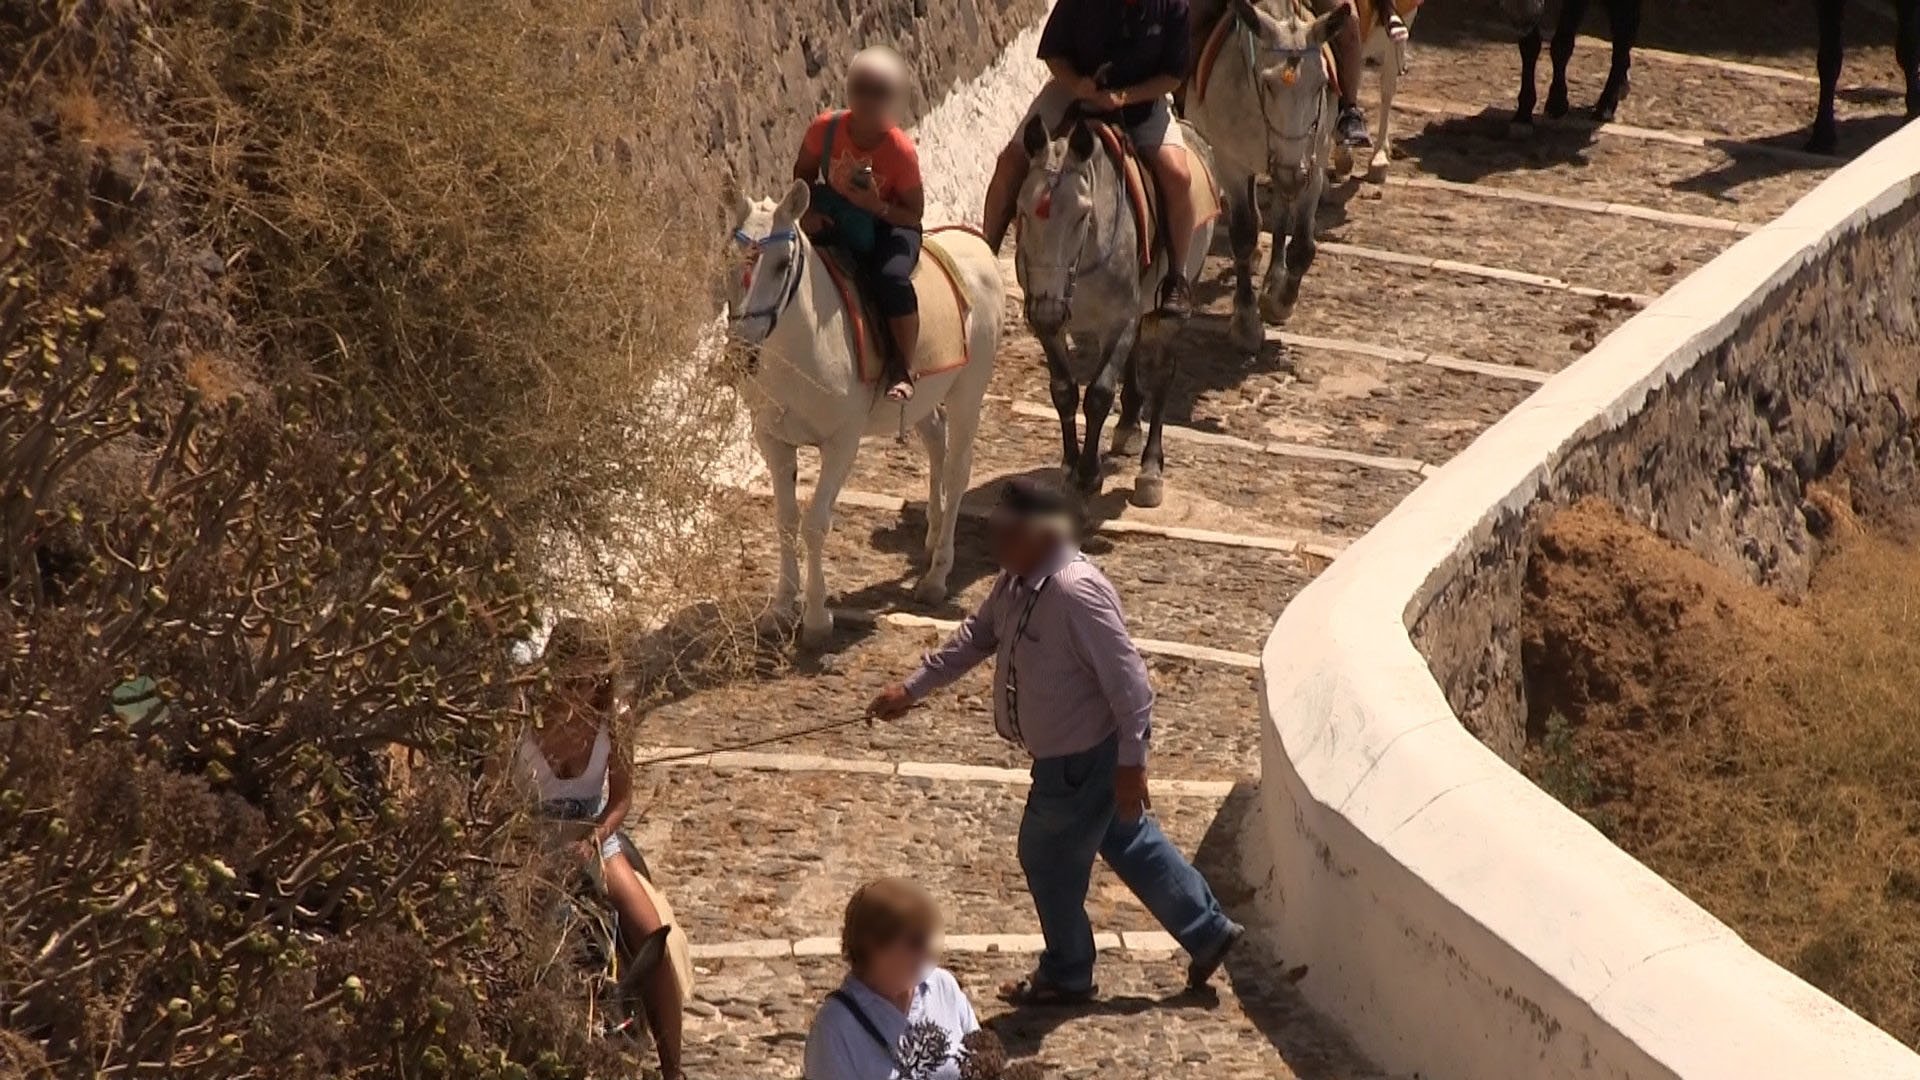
{"x":1758,"y":753}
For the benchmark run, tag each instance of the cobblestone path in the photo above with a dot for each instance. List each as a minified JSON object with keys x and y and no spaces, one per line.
{"x":1440,"y":301}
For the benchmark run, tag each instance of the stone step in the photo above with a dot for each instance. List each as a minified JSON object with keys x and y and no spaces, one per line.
{"x":747,"y":854}
{"x":1202,"y":594}
{"x":1606,"y":251}
{"x":750,"y":1017}
{"x":1386,"y":404}
{"x":1222,"y":487}
{"x":1205,"y":722}
{"x":1570,"y":161}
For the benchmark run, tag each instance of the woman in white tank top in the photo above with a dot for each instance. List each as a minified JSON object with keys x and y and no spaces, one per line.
{"x":579,"y":773}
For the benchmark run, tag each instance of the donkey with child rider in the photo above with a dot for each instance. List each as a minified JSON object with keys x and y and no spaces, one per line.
{"x":805,"y":328}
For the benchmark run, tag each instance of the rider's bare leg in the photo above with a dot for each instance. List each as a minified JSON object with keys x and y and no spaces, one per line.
{"x":1175,"y":181}
{"x":661,"y":994}
{"x":1009,"y":172}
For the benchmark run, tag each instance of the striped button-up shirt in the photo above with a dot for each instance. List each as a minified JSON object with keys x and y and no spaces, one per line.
{"x":1066,"y":675}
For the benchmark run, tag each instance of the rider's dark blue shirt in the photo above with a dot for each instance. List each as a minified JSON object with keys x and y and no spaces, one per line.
{"x":1135,"y":40}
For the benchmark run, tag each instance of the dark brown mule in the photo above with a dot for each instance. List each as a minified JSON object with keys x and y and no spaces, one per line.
{"x":1529,"y":16}
{"x":1825,"y":138}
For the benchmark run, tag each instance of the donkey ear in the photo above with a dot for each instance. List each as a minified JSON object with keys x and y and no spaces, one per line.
{"x":796,"y":201}
{"x":1245,"y":11}
{"x":1033,"y":137}
{"x":1326,"y":26}
{"x":1080,"y":143}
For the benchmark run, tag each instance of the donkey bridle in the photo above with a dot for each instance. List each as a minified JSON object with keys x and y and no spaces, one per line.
{"x":1253,"y":47}
{"x":1072,"y":266}
{"x":796,"y":271}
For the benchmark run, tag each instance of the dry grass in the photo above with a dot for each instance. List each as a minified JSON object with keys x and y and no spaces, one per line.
{"x":1760,"y":757}
{"x":452,"y":209}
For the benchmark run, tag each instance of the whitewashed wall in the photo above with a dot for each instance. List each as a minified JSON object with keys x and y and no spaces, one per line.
{"x":1460,"y":923}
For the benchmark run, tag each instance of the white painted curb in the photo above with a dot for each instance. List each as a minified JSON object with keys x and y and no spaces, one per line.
{"x":1458,"y":921}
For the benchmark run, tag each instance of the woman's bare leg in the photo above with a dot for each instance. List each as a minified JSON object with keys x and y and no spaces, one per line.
{"x":661,"y":995}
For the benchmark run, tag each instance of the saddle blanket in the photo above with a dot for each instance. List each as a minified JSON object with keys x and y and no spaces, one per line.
{"x":943,"y":313}
{"x":1141,"y":194}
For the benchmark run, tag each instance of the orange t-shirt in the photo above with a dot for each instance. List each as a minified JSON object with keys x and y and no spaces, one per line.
{"x":895,"y":162}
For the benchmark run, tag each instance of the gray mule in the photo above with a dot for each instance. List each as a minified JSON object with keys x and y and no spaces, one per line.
{"x":1268,"y":109}
{"x":1092,"y":305}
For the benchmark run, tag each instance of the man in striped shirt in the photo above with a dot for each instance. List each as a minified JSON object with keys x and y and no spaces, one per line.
{"x":1069,"y":686}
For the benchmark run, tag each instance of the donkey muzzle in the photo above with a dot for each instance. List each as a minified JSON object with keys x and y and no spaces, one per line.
{"x":1048,"y":314}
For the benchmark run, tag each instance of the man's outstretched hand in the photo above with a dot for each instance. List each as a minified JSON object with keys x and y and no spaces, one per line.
{"x":1130,"y":798}
{"x":891,"y":703}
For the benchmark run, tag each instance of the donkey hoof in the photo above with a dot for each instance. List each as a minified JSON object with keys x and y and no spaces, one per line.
{"x":1275,"y":311}
{"x":1342,"y":162}
{"x":1245,"y":333}
{"x":931,"y":590}
{"x":1148,"y":491}
{"x":776,"y":620}
{"x":1126,"y":441}
{"x":815,"y":633}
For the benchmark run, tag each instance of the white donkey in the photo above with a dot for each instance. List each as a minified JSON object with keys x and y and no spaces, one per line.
{"x":806,"y":390}
{"x":1387,"y":48}
{"x":1268,"y":108}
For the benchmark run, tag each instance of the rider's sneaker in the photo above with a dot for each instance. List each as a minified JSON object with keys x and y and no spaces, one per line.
{"x":1353,"y":126}
{"x":1176,"y":297}
{"x":1397,"y":28}
{"x":901,"y":391}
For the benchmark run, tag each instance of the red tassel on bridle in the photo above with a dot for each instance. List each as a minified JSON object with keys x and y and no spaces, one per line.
{"x":1044,"y":208}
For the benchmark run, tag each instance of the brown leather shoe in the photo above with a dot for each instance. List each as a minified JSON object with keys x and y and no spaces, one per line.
{"x":1176,"y":297}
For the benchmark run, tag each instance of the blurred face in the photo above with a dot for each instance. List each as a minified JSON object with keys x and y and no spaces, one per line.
{"x":872,"y":100}
{"x":1016,"y":545}
{"x":896,"y":967}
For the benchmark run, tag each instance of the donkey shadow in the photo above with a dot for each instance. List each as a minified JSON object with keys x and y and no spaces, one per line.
{"x":901,"y":536}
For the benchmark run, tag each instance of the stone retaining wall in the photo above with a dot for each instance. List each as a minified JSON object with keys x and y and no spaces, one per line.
{"x":1458,"y":920}
{"x":756,"y":71}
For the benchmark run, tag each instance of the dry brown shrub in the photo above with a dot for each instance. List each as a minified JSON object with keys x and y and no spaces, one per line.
{"x":454,"y":209}
{"x":1760,"y":756}
{"x":297,"y":297}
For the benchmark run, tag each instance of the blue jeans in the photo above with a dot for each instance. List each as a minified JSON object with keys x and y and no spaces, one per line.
{"x":1070,"y":818}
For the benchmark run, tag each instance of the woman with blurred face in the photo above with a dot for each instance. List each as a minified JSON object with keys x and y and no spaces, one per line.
{"x":896,"y":1009}
{"x":579,"y":773}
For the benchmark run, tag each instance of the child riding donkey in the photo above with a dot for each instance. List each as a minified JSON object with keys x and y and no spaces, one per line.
{"x":868,"y":200}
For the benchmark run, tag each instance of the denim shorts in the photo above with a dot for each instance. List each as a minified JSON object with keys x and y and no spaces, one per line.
{"x":1156,"y":130}
{"x":583,"y":810}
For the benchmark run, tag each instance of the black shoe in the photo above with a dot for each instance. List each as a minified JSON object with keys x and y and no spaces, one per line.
{"x":1353,"y":126}
{"x":1176,"y":297}
{"x":1202,"y":967}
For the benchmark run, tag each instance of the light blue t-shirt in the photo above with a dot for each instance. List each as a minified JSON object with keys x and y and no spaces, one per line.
{"x":839,"y":1048}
